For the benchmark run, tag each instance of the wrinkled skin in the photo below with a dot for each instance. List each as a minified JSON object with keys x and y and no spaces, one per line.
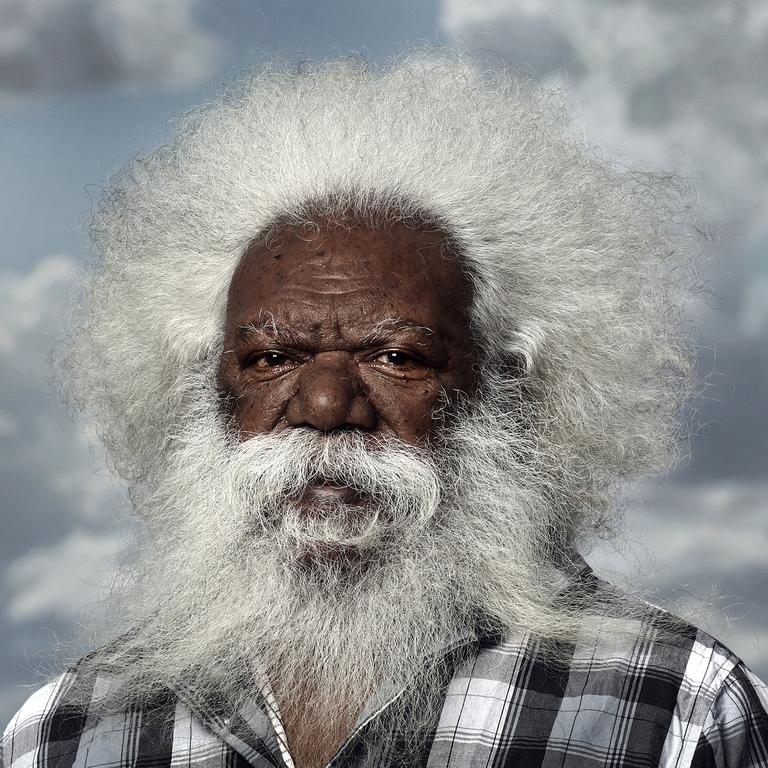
{"x":324,"y":352}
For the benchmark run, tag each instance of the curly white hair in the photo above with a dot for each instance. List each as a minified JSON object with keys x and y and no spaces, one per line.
{"x":579,"y":266}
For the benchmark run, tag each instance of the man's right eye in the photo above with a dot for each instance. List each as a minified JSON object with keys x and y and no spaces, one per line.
{"x":267,"y":360}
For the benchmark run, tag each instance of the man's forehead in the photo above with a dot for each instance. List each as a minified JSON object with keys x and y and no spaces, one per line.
{"x":382,"y":281}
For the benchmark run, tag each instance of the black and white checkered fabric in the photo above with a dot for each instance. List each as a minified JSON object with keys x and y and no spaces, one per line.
{"x":652,"y":699}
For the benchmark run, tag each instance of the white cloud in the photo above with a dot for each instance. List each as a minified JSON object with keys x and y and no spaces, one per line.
{"x":39,"y":449}
{"x":60,"y":535}
{"x":30,"y":302}
{"x":60,"y":580}
{"x":50,"y":45}
{"x":680,"y":84}
{"x":703,"y":529}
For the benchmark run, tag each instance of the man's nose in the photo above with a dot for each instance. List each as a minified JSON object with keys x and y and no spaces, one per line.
{"x":331,"y":395}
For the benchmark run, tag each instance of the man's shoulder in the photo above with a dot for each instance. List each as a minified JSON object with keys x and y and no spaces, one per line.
{"x":662,"y":647}
{"x":46,"y":717}
{"x":72,"y":722}
{"x":655,"y":644}
{"x":649,"y":689}
{"x":720,"y":709}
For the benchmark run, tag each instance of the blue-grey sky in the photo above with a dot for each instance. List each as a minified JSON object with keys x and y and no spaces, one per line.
{"x":85,"y":84}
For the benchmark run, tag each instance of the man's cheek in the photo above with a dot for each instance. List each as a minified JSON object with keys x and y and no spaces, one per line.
{"x":409,"y":417}
{"x":261,"y":409}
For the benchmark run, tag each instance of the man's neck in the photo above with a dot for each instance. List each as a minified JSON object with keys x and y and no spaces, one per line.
{"x":314,"y":733}
{"x":314,"y":746}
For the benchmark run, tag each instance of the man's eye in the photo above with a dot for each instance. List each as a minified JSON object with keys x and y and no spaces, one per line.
{"x":398,"y":359}
{"x":268,"y":360}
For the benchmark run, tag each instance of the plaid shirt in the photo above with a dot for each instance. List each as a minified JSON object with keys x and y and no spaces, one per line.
{"x":652,"y":699}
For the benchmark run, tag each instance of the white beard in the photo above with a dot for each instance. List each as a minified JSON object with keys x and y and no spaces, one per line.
{"x":236,"y":578}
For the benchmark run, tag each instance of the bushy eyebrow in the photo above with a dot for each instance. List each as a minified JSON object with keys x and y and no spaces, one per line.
{"x":380,"y":333}
{"x":386,"y":329}
{"x":281,"y":334}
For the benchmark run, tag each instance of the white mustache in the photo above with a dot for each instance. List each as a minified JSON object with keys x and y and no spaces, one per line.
{"x":267,"y":475}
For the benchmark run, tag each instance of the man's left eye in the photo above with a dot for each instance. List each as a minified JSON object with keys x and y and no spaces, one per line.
{"x":396,"y":358}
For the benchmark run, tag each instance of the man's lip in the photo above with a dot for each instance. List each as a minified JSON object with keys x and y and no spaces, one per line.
{"x":328,"y":491}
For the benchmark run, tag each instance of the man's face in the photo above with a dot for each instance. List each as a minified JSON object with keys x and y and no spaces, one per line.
{"x":341,"y":528}
{"x":353,"y":329}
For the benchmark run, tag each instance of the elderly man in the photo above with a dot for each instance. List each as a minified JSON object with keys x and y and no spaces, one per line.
{"x":374,"y":351}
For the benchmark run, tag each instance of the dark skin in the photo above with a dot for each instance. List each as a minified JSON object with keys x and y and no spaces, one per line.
{"x":355,"y":328}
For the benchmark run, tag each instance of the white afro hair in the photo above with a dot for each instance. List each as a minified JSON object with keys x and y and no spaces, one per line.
{"x":579,"y":267}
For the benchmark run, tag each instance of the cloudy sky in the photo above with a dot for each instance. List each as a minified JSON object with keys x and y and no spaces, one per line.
{"x":84,"y":84}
